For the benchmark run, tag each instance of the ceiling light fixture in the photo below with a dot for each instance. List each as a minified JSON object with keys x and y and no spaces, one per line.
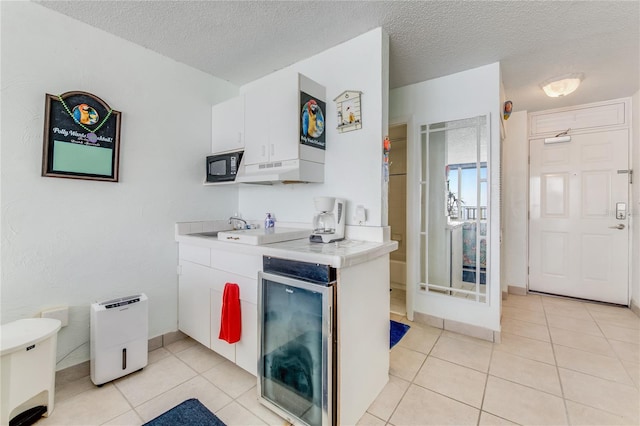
{"x":563,"y":85}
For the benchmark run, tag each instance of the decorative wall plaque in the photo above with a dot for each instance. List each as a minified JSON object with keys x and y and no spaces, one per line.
{"x":81,"y":137}
{"x":349,"y":111}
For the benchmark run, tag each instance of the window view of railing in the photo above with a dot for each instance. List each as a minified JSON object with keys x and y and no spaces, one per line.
{"x":462,"y":201}
{"x":471,"y":213}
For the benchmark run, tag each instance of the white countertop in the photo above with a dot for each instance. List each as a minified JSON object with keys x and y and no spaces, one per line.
{"x":341,"y":254}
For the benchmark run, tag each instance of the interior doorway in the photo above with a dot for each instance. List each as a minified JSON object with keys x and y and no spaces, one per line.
{"x":398,"y":217}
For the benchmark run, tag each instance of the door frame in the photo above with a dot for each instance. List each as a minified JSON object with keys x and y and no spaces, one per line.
{"x":411,"y":256}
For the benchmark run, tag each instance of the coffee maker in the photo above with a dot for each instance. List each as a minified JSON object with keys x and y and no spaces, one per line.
{"x":328,"y":223}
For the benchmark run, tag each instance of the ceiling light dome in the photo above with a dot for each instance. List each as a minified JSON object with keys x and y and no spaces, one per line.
{"x":563,"y":85}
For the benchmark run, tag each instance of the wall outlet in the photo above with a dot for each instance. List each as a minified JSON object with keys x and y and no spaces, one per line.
{"x":61,"y":314}
{"x":360,"y":215}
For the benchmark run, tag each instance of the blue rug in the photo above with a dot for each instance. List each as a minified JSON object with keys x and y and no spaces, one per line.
{"x":189,"y":413}
{"x":398,"y":330}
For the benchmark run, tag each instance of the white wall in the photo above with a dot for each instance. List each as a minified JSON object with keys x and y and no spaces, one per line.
{"x":353,"y":160}
{"x":635,"y":197}
{"x":466,"y":94}
{"x":515,"y":202}
{"x":68,"y":242}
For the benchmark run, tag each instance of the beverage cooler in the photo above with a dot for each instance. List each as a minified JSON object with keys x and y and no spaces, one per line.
{"x":297,"y":340}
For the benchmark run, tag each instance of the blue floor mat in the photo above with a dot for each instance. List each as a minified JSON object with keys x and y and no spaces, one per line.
{"x":190,"y":413}
{"x":398,"y":330}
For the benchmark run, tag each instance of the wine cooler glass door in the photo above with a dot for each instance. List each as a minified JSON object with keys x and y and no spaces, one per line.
{"x":295,"y":348}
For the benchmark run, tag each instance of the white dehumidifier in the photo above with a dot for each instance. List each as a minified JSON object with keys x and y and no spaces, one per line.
{"x":119,"y":337}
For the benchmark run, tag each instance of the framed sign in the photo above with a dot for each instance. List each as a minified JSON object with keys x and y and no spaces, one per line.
{"x":81,"y":137}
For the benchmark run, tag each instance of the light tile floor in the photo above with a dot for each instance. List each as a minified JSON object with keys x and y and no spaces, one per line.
{"x":560,"y":362}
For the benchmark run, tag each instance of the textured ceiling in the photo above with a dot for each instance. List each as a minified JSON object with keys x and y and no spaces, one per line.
{"x":240,"y":41}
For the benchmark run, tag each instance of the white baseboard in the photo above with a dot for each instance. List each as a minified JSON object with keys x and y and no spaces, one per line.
{"x":458,"y":327}
{"x":519,"y":291}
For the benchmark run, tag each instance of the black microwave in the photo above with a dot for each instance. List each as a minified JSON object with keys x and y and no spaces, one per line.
{"x":223,"y":167}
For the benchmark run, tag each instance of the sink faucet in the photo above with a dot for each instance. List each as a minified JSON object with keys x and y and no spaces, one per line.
{"x":233,"y":220}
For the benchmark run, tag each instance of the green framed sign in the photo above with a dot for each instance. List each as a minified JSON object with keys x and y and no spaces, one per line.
{"x":81,"y":137}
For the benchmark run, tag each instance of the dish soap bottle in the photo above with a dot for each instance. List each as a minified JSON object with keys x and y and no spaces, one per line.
{"x":269,"y":222}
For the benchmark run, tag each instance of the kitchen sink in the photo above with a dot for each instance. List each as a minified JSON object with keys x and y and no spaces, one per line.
{"x":207,"y":234}
{"x":262,"y":236}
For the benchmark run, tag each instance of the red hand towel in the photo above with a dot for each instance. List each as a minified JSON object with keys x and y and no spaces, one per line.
{"x":230,"y":321}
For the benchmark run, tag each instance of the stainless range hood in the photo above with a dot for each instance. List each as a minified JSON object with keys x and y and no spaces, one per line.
{"x":286,"y":171}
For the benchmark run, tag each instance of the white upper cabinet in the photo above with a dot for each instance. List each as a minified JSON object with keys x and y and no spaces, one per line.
{"x":272,"y":119}
{"x":257,"y":110}
{"x":227,"y":125}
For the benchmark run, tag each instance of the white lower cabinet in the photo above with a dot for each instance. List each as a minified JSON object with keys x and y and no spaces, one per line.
{"x":220,"y":346}
{"x":200,"y":297}
{"x":194,"y":310}
{"x":247,"y":347}
{"x":244,"y":352}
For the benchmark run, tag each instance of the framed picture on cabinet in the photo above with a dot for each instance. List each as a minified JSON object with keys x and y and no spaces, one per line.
{"x":312,"y":116}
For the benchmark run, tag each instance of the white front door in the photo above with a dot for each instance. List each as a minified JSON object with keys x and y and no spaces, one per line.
{"x":577,"y":245}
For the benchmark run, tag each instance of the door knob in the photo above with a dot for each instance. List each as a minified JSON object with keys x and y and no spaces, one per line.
{"x":618,"y":226}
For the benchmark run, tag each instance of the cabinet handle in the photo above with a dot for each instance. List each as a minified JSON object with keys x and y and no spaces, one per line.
{"x":272,"y":148}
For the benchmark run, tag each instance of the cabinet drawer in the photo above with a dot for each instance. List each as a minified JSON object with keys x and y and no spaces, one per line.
{"x":248,"y":286}
{"x":236,"y":263}
{"x":195,"y":254}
